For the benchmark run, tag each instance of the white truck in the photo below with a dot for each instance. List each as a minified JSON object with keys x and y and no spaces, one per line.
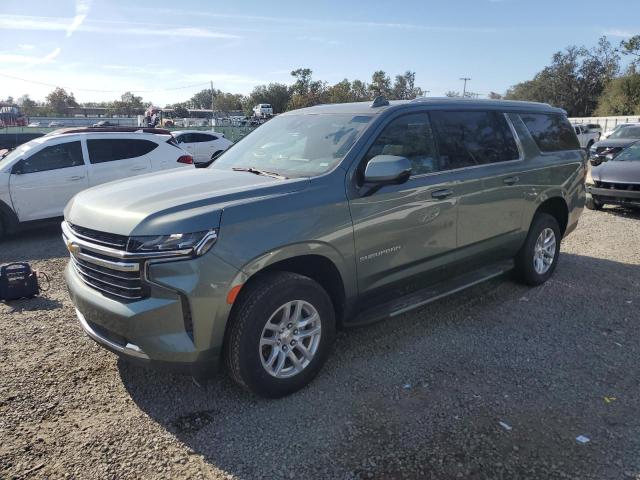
{"x":263,"y":110}
{"x":586,"y":135}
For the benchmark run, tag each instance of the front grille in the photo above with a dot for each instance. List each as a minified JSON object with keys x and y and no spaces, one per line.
{"x":101,"y":238}
{"x":112,"y":281}
{"x":630,"y":187}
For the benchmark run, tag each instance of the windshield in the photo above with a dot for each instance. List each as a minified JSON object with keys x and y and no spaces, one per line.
{"x":296,"y":145}
{"x":630,"y":154}
{"x":17,"y":152}
{"x":626,"y":132}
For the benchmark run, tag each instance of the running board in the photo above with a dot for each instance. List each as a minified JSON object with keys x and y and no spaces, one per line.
{"x":418,"y":299}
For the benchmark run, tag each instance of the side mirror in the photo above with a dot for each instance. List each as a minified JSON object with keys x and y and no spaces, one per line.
{"x":609,"y":157}
{"x":18,"y":168}
{"x":386,"y":169}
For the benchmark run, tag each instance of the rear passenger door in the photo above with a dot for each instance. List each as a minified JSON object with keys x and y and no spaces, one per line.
{"x":117,"y":158}
{"x":481,"y":146}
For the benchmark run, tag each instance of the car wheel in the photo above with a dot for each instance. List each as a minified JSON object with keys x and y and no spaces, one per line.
{"x":593,"y":204}
{"x":280,"y":333}
{"x":538,"y":257}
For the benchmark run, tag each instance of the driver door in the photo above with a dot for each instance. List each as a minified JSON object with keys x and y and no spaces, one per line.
{"x":42,"y":184}
{"x":404,"y":231}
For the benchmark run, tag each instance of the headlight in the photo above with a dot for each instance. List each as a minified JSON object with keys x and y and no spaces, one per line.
{"x":199,"y":242}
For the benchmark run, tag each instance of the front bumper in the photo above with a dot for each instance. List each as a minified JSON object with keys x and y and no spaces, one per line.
{"x":179,"y":326}
{"x":613,"y":196}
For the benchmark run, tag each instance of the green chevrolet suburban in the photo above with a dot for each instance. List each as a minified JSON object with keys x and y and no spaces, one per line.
{"x":322,"y":218}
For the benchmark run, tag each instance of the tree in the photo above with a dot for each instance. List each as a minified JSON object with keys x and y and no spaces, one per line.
{"x":305,"y":91}
{"x":277,"y":95}
{"x":621,"y":96}
{"x":494,"y":96}
{"x":59,"y":101}
{"x":340,"y":92}
{"x":27,"y":105}
{"x":380,"y":84}
{"x":404,"y":87}
{"x":631,"y":47}
{"x":202,"y":99}
{"x":227,"y":102}
{"x":179,"y":110}
{"x":451,"y":93}
{"x":575,"y":79}
{"x":128,"y":105}
{"x":360,"y":91}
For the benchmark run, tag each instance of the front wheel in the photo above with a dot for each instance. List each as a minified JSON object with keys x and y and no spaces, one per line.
{"x":538,"y":257}
{"x":280,"y":334}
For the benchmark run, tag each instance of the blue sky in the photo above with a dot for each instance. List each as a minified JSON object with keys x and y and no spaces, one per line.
{"x":160,"y":47}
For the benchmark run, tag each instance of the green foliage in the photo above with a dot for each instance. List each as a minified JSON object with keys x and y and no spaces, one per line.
{"x":380,"y":84}
{"x":631,"y":47}
{"x":129,"y":104}
{"x":59,"y":101}
{"x":202,"y":99}
{"x":28,"y":106}
{"x":574,"y":81}
{"x":621,"y":96}
{"x":404,"y":87}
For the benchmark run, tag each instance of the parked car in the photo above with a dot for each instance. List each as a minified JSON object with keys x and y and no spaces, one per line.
{"x":329,"y":216}
{"x":620,"y":139}
{"x":586,"y":137}
{"x":34,"y":124}
{"x":594,"y":128}
{"x":56,"y":124}
{"x":39,"y":177}
{"x":608,"y":133}
{"x":104,"y":123}
{"x":616,"y":180}
{"x":203,"y":146}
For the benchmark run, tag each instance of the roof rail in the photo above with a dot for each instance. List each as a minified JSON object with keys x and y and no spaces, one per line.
{"x":157,"y":131}
{"x":379,"y":101}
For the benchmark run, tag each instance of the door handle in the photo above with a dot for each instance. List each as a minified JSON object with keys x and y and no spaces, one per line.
{"x":441,"y":194}
{"x":135,"y":169}
{"x":511,"y":180}
{"x":75,"y":178}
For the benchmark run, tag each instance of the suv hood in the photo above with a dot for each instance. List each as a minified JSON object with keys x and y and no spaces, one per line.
{"x":615,"y":142}
{"x":617,"y":172}
{"x":174,"y":201}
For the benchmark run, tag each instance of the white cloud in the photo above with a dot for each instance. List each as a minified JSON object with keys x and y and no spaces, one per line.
{"x":24,"y":22}
{"x":82,"y":10}
{"x":26,"y":46}
{"x":615,"y":32}
{"x":29,"y":60}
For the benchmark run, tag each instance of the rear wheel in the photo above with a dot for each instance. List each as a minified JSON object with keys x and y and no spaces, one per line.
{"x":280,"y":334}
{"x":538,"y":257}
{"x":593,"y":204}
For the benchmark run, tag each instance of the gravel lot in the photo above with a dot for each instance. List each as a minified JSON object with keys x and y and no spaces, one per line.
{"x":420,"y":396}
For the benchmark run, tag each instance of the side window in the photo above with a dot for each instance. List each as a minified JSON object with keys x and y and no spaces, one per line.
{"x":203,"y":137}
{"x":468,"y":139}
{"x":54,"y":157}
{"x":408,"y":136}
{"x":551,"y":132}
{"x":111,"y":149}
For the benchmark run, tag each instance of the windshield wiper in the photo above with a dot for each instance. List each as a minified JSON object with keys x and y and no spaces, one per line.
{"x":259,"y":172}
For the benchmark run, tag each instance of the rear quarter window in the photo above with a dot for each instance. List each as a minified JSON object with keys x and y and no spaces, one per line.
{"x":551,"y":132}
{"x":111,"y":149}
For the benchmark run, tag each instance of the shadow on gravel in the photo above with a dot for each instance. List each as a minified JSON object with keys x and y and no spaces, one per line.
{"x":41,"y":243}
{"x":422,"y":396}
{"x":32,"y":304}
{"x":623,"y":212}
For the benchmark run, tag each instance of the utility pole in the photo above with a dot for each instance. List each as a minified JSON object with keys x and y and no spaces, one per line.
{"x":464,"y":89}
{"x":212,"y":102}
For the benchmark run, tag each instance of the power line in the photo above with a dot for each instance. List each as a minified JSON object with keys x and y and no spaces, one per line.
{"x":464,"y":89}
{"x":101,"y":91}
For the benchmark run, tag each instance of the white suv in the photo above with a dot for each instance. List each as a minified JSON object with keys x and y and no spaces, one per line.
{"x":38,"y":178}
{"x":202,"y":145}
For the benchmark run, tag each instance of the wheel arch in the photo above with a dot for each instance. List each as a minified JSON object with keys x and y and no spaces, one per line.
{"x":557,"y":207}
{"x":8,"y":218}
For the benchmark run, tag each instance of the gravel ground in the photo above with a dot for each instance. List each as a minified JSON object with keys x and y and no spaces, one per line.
{"x":421,"y":396}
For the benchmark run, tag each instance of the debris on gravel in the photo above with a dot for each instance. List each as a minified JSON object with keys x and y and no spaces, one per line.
{"x":426,"y":395}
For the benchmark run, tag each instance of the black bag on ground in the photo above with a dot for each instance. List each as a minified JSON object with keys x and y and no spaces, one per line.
{"x":17,"y":280}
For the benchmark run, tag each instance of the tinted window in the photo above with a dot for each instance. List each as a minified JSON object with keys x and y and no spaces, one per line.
{"x":408,"y":136}
{"x":202,"y":137}
{"x":108,"y":150}
{"x":468,"y":139}
{"x":551,"y":132}
{"x":626,"y":132}
{"x":54,"y":157}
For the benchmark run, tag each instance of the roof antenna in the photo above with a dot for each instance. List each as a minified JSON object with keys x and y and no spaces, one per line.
{"x":379,"y":101}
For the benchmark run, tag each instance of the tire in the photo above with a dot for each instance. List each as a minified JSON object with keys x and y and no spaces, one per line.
{"x":525,"y":270}
{"x":262,"y":302}
{"x":593,"y":204}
